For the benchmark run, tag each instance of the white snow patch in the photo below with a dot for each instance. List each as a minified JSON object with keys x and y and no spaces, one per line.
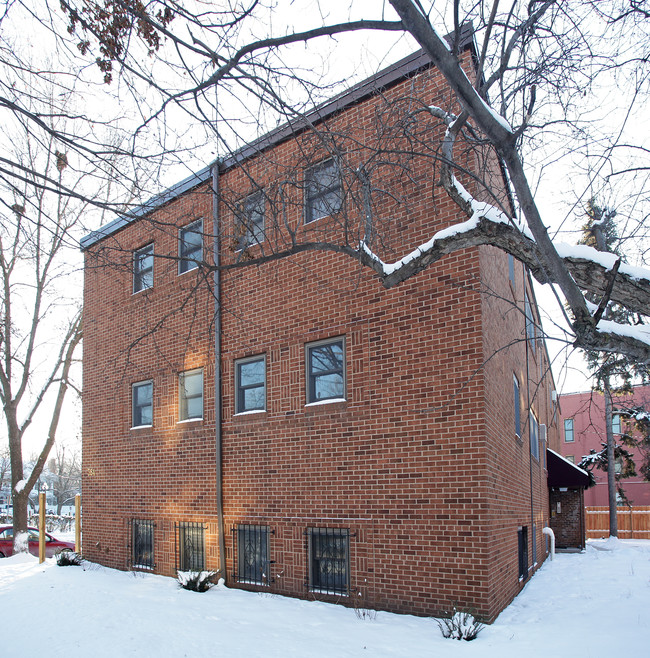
{"x":20,"y":485}
{"x":603,"y":258}
{"x":640,"y":332}
{"x":569,"y":607}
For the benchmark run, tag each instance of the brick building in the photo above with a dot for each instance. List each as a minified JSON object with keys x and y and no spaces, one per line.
{"x":583,"y":430}
{"x":293,"y":424}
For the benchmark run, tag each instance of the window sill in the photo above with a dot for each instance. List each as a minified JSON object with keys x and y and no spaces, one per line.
{"x":319,"y":403}
{"x":192,"y":269}
{"x":252,"y":412}
{"x":189,"y":420}
{"x":142,"y":427}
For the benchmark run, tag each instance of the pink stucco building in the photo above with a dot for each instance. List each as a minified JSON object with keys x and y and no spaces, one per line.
{"x":583,"y":429}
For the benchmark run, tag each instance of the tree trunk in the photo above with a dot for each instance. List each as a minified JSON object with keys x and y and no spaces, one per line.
{"x":611,"y":462}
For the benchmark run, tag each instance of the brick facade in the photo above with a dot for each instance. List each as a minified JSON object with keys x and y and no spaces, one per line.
{"x":418,"y":464}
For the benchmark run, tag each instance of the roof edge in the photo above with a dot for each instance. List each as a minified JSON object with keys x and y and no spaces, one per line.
{"x":403,"y":68}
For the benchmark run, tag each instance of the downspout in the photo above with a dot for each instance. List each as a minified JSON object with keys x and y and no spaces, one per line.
{"x":218,"y":391}
{"x":530,"y":452}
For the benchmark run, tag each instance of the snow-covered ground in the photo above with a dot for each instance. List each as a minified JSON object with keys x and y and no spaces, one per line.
{"x":589,"y":605}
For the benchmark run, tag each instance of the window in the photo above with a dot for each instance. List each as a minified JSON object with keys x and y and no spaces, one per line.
{"x":542,"y":440}
{"x":616,"y":423}
{"x":570,"y":458}
{"x":249,"y":222}
{"x":534,"y":544}
{"x":142,"y":398}
{"x":323,"y":194}
{"x":253,"y":554}
{"x":329,"y":560}
{"x":522,"y":542}
{"x":143,"y":268}
{"x":530,"y":322}
{"x":326,"y":370}
{"x":191,"y":394}
{"x":534,"y":436}
{"x":511,"y":269}
{"x":142,"y":544}
{"x":250,"y":384}
{"x":568,"y":430}
{"x":517,"y":404}
{"x":190,"y":246}
{"x":191,"y":547}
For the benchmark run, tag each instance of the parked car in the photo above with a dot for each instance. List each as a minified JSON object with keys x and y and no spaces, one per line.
{"x":52,"y":545}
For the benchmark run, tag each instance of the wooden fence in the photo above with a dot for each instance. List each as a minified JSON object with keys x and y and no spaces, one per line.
{"x":633,"y":522}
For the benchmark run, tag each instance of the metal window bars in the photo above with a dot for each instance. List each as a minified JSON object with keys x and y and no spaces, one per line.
{"x":329,"y":560}
{"x":190,"y":546}
{"x":253,"y":564}
{"x":142,"y":543}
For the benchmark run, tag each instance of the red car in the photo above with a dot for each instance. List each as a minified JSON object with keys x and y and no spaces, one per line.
{"x":52,"y":545}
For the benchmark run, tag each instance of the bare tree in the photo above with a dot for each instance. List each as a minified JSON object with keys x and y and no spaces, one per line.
{"x":533,"y":68}
{"x":40,"y":326}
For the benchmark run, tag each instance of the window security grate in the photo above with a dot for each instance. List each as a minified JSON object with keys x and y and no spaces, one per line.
{"x":252,"y":554}
{"x":190,"y":544}
{"x":329,"y":560}
{"x":142,"y":544}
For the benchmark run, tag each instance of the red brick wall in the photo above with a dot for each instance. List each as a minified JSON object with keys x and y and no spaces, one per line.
{"x":419,"y":462}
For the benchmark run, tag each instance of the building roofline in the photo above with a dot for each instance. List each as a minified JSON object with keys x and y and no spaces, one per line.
{"x":387,"y":77}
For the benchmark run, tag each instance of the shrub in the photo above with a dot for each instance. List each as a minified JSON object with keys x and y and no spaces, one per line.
{"x":68,"y":559}
{"x":460,"y":626}
{"x":196,"y":581}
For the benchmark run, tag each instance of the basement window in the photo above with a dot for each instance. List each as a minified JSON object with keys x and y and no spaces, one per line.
{"x":253,"y":554}
{"x":191,"y":546}
{"x":142,"y":555}
{"x":329,"y":560}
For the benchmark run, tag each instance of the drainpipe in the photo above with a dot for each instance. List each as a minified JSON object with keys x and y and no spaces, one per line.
{"x":530,"y":452}
{"x":218,"y":392}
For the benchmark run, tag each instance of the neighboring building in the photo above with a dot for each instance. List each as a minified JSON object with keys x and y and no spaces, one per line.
{"x":583,"y":430}
{"x":294,"y":424}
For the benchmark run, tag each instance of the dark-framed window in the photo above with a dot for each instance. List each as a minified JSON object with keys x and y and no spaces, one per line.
{"x":143,"y":268}
{"x":534,"y":436}
{"x":142,"y":544}
{"x":326,"y":370}
{"x":511,"y":269}
{"x":517,"y":406}
{"x":142,"y":404}
{"x":190,"y":246}
{"x":323,"y":190}
{"x":253,"y":554}
{"x":542,"y":441}
{"x":190,"y":386}
{"x":249,"y":220}
{"x":250,"y":384}
{"x":329,"y":560}
{"x":191,"y":546}
{"x":522,"y":546}
{"x":530,"y":322}
{"x":616,"y":423}
{"x":569,"y":435}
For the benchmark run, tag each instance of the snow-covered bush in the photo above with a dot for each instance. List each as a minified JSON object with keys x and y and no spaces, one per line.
{"x":68,"y":559}
{"x":196,"y":581}
{"x":460,"y":626}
